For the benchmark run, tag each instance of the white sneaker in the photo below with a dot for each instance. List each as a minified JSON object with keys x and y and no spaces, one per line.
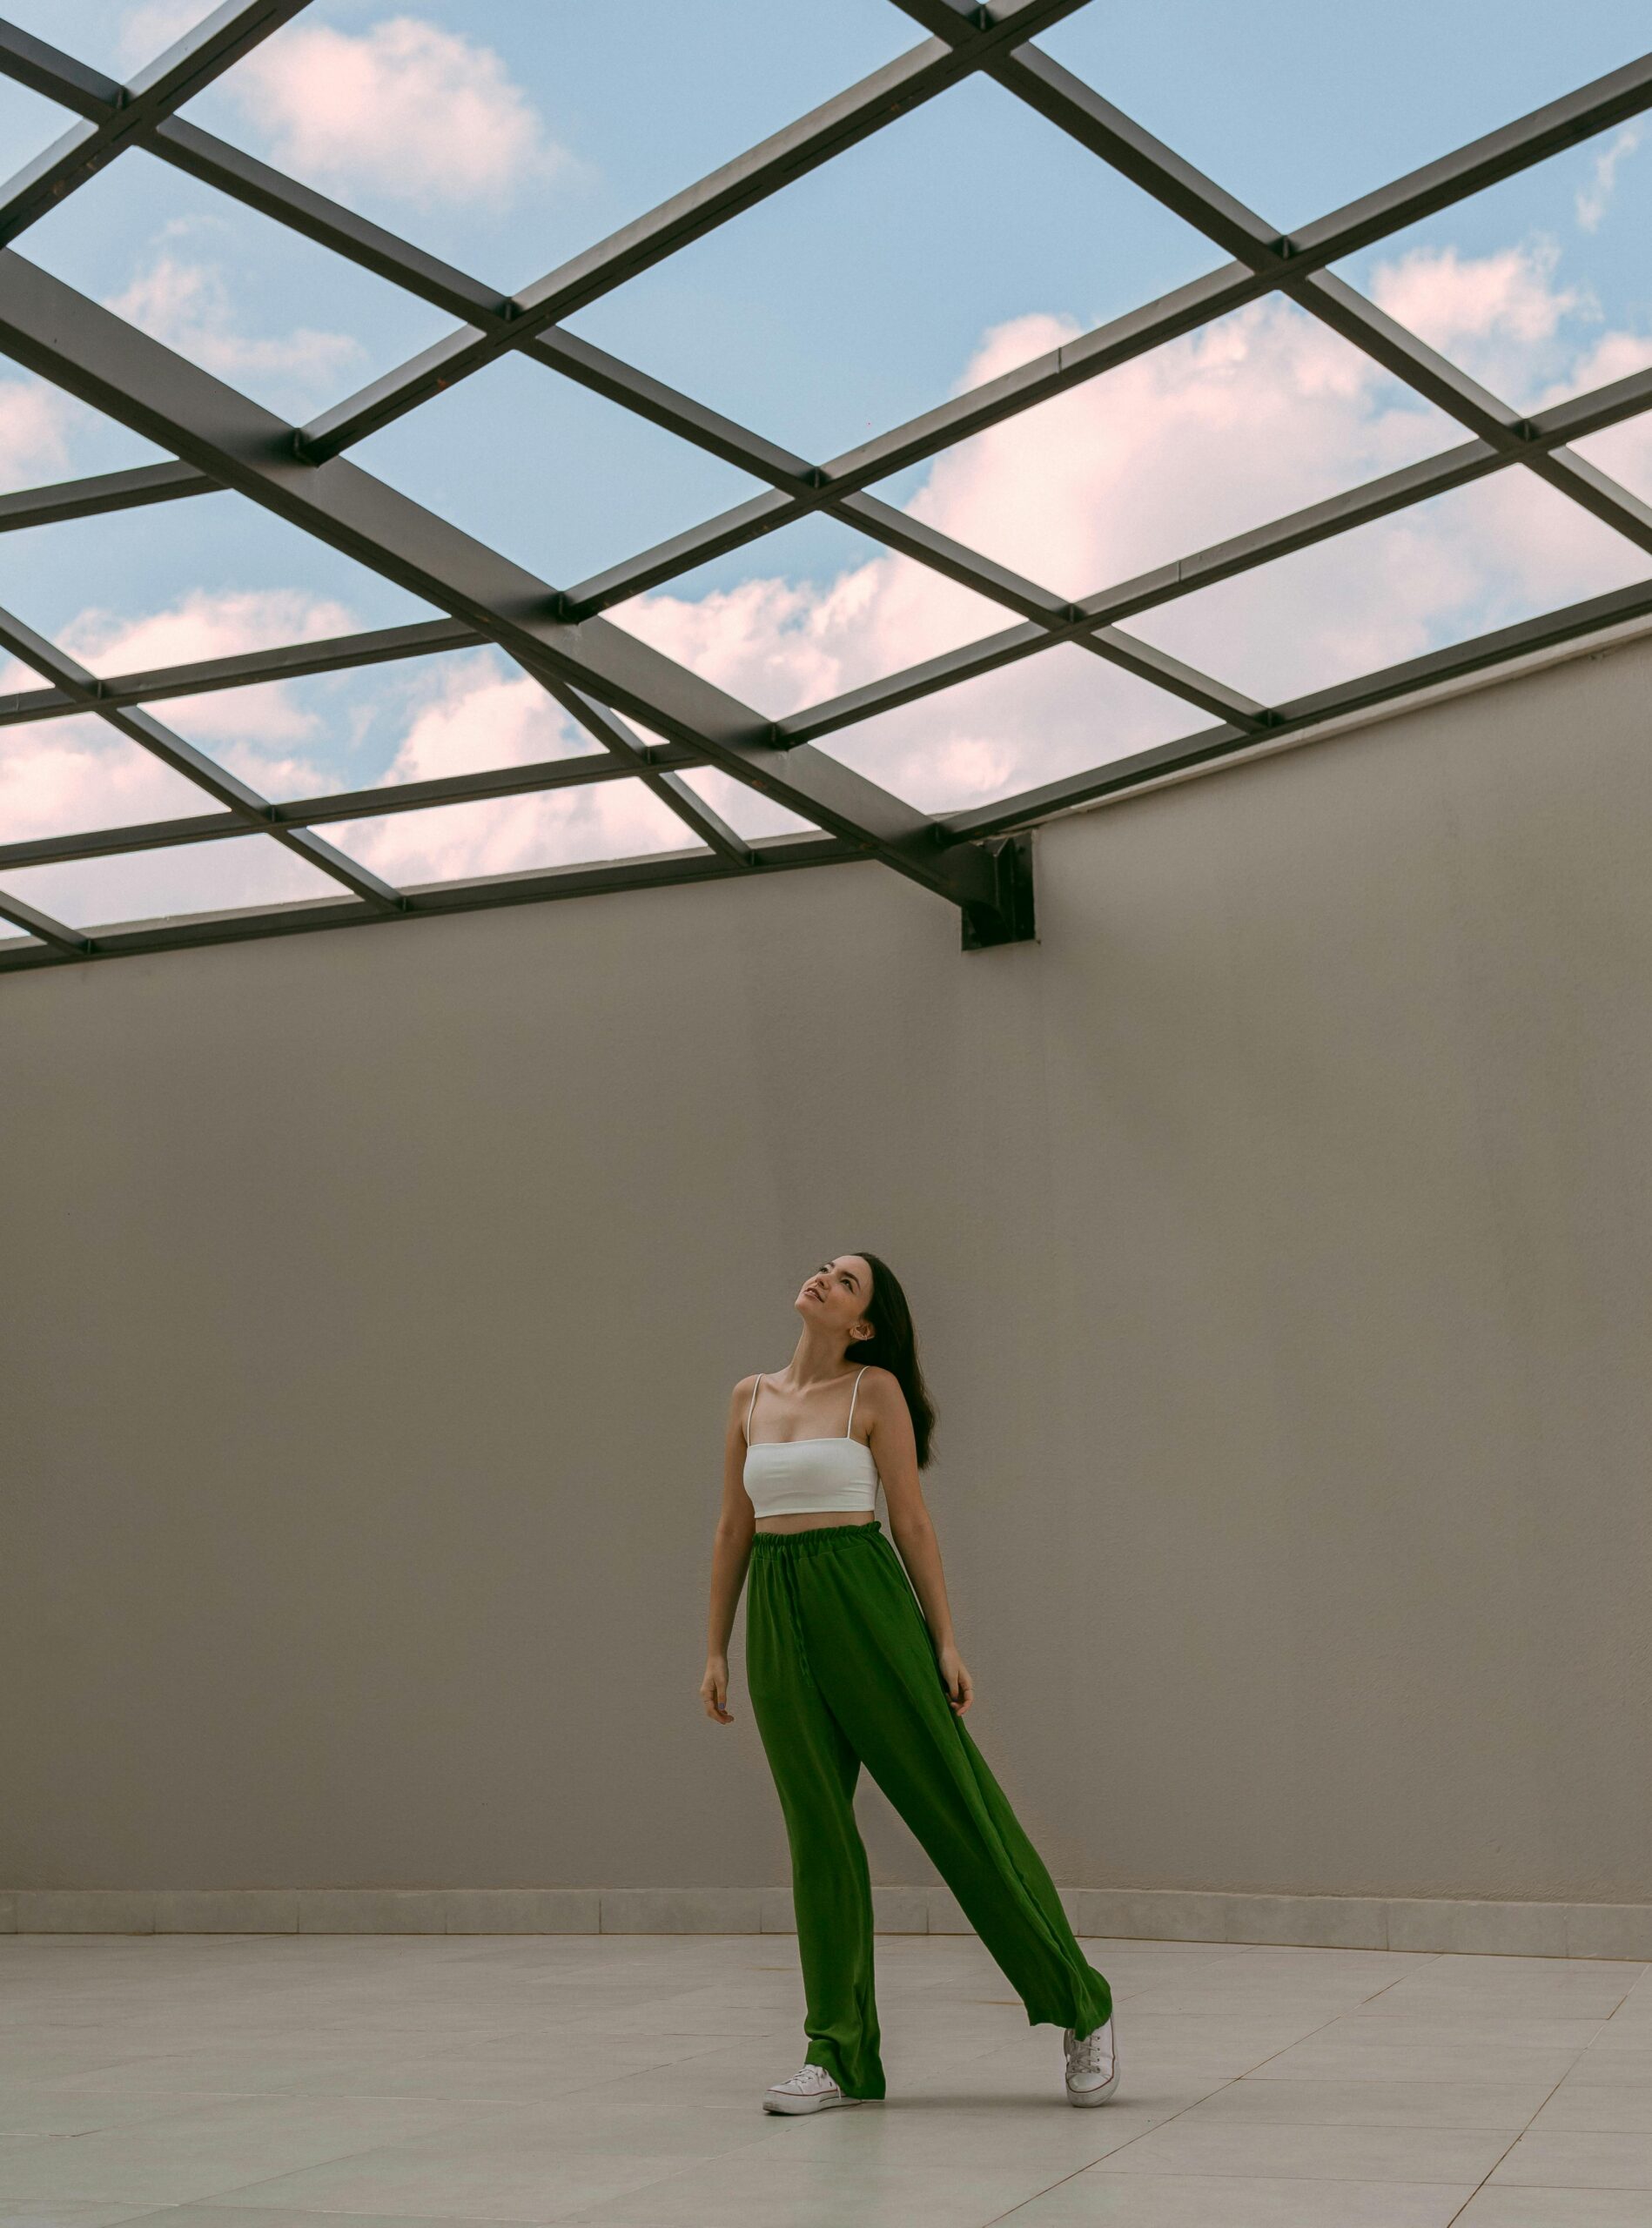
{"x":1093,"y":2064}
{"x":811,"y":2089}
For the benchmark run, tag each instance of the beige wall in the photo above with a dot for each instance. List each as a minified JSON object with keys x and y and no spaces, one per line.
{"x":1278,"y":1231}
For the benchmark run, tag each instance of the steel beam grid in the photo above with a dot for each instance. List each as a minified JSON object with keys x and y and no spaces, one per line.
{"x":943,"y":852}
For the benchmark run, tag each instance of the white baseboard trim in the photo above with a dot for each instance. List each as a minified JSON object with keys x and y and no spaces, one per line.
{"x":1428,"y":1923}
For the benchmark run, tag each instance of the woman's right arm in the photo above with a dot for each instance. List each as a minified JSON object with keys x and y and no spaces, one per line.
{"x":730,"y":1553}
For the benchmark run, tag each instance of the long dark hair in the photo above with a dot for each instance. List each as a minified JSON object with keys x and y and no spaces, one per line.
{"x":893,"y":1346}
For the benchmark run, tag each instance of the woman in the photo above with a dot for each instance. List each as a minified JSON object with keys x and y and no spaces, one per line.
{"x":844,"y":1669}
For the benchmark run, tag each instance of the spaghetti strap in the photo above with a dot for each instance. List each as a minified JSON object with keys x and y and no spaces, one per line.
{"x":849,"y":1428}
{"x":753,"y":1405}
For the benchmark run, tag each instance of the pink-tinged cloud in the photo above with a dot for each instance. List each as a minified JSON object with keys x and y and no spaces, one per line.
{"x":147,"y":31}
{"x":207,"y":877}
{"x":64,"y":776}
{"x":404,"y":107}
{"x":33,"y":421}
{"x":1593,"y":201}
{"x":1251,"y":418}
{"x":188,"y":306}
{"x":59,"y":777}
{"x":477,"y":715}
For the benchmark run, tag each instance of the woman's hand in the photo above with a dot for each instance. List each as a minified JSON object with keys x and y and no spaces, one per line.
{"x":960,"y":1688}
{"x":713,"y":1689}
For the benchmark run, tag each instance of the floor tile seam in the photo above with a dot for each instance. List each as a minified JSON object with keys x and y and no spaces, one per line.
{"x":1338,"y":2181}
{"x":1113,"y":2150}
{"x":219,"y":2197}
{"x":1503,"y":2154}
{"x":1413,"y":2127}
{"x":1034,"y":2196}
{"x":1615,"y":2189}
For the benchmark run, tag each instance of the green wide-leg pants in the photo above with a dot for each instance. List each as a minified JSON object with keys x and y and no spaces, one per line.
{"x":841,"y":1671}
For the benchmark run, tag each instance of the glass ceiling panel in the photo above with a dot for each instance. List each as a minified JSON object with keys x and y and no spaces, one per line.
{"x":115,"y":39}
{"x":620,"y":819}
{"x":62,"y":777}
{"x":1542,"y":286}
{"x":867,"y":290}
{"x":1484,"y":557}
{"x":1250,"y":417}
{"x":747,"y":812}
{"x":45,"y":435}
{"x":1059,"y":713}
{"x":1624,"y":452}
{"x":779,"y":639}
{"x":950,"y":247}
{"x":376,"y":725}
{"x":252,"y":301}
{"x":541,"y":129}
{"x":559,"y":479}
{"x":29,"y":124}
{"x":124,"y":591}
{"x":174,"y":883}
{"x":1297,"y":107}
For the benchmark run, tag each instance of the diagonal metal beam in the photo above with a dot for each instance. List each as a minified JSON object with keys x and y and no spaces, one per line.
{"x":1483,"y":653}
{"x":249,"y":669}
{"x":182,"y":757}
{"x":1076,"y":108}
{"x":1079,"y":110}
{"x":57,"y":935}
{"x":1250,"y":238}
{"x":836,"y":125}
{"x":132,"y":489}
{"x":804,"y":486}
{"x":898,"y":531}
{"x":1459,"y":660}
{"x":633,"y":755}
{"x":657,"y":870}
{"x":215,"y":161}
{"x":59,"y":333}
{"x":1571,"y":420}
{"x":1301,"y":529}
{"x":468,"y":788}
{"x":114,"y":117}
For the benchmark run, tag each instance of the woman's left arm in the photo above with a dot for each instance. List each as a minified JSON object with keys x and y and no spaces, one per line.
{"x":895,"y":1451}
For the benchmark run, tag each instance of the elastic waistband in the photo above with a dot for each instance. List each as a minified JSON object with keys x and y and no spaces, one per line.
{"x":816,"y":1539}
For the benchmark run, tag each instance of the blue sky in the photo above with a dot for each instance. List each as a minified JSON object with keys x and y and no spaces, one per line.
{"x":962,"y":239}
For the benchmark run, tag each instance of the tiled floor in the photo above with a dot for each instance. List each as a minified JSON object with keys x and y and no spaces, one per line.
{"x":256,"y":2082}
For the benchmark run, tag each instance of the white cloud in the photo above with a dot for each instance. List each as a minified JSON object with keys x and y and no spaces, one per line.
{"x":61,"y":776}
{"x":188,"y":878}
{"x":404,"y":107}
{"x":187,"y":306}
{"x":1249,"y":418}
{"x":33,"y":431}
{"x":1501,"y":316}
{"x":147,"y":31}
{"x":1592,"y":199}
{"x":1253,"y":417}
{"x":477,"y":714}
{"x":64,"y":775}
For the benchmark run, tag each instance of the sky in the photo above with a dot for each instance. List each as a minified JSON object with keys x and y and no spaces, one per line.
{"x":969,"y":236}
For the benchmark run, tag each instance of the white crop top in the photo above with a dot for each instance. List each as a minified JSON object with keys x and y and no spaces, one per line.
{"x":794,"y":1476}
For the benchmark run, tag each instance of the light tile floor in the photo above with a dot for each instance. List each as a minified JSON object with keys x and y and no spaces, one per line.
{"x":241,"y":2081}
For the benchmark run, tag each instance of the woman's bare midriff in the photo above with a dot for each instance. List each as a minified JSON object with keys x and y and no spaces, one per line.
{"x":806,"y":1520}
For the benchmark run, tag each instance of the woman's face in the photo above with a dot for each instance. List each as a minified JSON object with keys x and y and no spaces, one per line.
{"x":836,"y":1297}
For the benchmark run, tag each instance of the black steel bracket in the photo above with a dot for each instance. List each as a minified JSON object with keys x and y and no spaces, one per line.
{"x":1011,"y":919}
